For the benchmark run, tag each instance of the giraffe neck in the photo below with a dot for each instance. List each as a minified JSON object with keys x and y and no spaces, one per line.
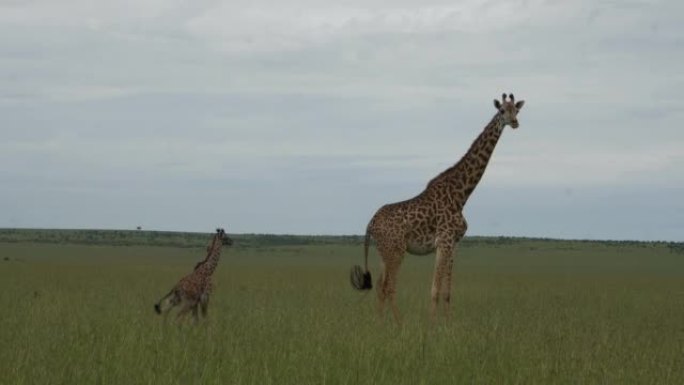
{"x":211,"y":261}
{"x":466,"y":174}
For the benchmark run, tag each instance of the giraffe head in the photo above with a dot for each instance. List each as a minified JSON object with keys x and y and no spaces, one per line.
{"x":225,"y":239}
{"x":508,"y":110}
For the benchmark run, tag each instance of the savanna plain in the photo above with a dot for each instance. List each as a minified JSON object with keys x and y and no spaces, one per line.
{"x":77,"y":308}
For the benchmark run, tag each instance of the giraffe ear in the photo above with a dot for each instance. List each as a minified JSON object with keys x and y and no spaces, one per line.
{"x":497,"y":104}
{"x":519,"y":105}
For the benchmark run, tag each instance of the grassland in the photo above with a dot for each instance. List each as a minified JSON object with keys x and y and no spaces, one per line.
{"x":524,"y":312}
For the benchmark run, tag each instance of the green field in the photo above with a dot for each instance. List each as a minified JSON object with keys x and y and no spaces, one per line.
{"x":77,"y":309}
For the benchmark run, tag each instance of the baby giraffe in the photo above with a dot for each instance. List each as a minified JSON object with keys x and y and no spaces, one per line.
{"x":193,"y":289}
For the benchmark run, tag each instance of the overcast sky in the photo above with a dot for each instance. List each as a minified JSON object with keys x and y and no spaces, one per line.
{"x":306,"y":116}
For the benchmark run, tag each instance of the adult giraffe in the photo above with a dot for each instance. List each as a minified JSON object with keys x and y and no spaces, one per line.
{"x":432,"y":220}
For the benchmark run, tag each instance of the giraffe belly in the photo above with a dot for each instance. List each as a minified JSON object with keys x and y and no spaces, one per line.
{"x":420,"y":248}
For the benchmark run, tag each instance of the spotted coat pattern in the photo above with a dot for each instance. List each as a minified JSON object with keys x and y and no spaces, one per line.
{"x":433,"y":220}
{"x":193,"y":290}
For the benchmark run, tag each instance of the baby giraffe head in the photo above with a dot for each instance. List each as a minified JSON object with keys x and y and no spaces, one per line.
{"x":225,"y":239}
{"x":508,"y":110}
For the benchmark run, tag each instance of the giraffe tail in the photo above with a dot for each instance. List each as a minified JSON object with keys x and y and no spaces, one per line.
{"x":166,"y":302}
{"x":360,"y":278}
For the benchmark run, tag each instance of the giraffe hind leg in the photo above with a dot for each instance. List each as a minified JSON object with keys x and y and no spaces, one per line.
{"x":195,"y":313}
{"x":391,"y":256}
{"x":381,"y":292}
{"x":187,"y":307}
{"x":441,"y":283}
{"x":204,"y":304}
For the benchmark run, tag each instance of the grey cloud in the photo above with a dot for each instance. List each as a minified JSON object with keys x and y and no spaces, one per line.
{"x":113,"y":120}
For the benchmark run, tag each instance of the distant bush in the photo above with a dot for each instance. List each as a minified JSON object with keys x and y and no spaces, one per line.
{"x":676,"y":247}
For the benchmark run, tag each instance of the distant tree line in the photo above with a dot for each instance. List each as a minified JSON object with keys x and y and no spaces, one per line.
{"x":676,"y":247}
{"x":163,"y":238}
{"x":190,"y":239}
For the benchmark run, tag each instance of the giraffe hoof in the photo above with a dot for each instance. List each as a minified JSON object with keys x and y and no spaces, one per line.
{"x":157,"y":309}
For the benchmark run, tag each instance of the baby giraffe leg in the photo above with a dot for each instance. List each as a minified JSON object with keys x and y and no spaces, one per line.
{"x":188,"y":306}
{"x":204,"y":304}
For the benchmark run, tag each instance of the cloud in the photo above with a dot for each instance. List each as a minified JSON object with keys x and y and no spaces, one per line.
{"x":361,"y":103}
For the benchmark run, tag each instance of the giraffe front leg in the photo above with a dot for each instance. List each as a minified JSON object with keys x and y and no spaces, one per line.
{"x":446,"y":289}
{"x":441,"y":266}
{"x":452,"y":247}
{"x":449,"y":245}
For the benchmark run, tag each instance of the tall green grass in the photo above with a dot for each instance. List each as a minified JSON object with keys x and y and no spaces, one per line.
{"x":528,"y":313}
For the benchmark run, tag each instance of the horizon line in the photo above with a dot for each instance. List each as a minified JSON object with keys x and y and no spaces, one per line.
{"x":530,"y":237}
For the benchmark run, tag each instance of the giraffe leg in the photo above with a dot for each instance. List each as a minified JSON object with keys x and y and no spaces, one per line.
{"x":446,"y":288}
{"x":391,"y":289}
{"x":182,"y":313}
{"x":381,"y":291}
{"x":386,"y":292}
{"x":391,"y":254}
{"x":441,"y":264}
{"x":204,"y":304}
{"x":450,"y":248}
{"x":185,"y":309}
